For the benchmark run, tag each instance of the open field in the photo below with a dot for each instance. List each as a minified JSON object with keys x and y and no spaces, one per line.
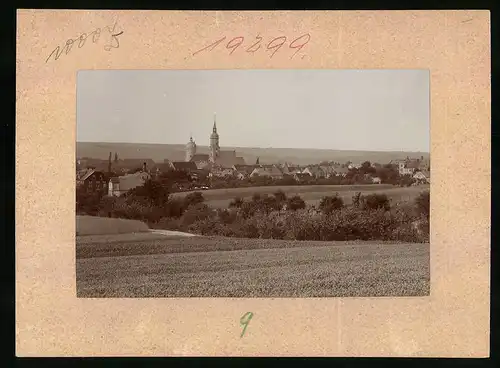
{"x":155,"y":266}
{"x":91,"y":225}
{"x":176,"y":152}
{"x":311,"y":194}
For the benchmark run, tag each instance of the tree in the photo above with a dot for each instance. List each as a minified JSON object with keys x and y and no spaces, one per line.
{"x":295,"y":203}
{"x":151,"y":191}
{"x":330,"y":204}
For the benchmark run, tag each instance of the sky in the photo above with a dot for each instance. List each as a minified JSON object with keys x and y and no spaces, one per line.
{"x":369,"y":110}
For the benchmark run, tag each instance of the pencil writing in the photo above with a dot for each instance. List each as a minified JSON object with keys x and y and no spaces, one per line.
{"x":94,"y":36}
{"x":244,"y":321}
{"x":272,"y":46}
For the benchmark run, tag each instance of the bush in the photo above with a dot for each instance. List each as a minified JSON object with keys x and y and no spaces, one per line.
{"x":194,"y":213}
{"x":295,"y":203}
{"x":193,"y":199}
{"x":376,"y":201}
{"x":422,"y":204}
{"x":356,"y":200}
{"x":236,"y":203}
{"x":329,"y":204}
{"x":280,"y":196}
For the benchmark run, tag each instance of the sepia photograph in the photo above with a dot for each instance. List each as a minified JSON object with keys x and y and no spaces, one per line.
{"x":252,"y":183}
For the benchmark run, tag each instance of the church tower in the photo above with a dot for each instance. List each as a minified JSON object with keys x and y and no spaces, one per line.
{"x":214,"y":143}
{"x":190,"y":149}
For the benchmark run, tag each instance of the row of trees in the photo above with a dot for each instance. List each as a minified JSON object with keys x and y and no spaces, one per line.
{"x":370,"y":217}
{"x":256,"y":216}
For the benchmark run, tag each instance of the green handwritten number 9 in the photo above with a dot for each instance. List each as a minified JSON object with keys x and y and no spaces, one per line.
{"x":245,"y":320}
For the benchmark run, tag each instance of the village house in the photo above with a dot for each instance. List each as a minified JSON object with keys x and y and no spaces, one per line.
{"x":271,"y":171}
{"x":314,"y":171}
{"x":408,"y":167}
{"x":201,"y":160}
{"x":288,"y":169}
{"x":187,"y":166}
{"x":244,"y":171}
{"x":341,"y":171}
{"x":422,"y":177}
{"x":91,"y":180}
{"x":329,"y":170}
{"x":300,"y":177}
{"x":221,"y":172}
{"x":122,"y":184}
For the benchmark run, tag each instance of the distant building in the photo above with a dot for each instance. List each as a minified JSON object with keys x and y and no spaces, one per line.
{"x":408,"y":167}
{"x":91,"y":180}
{"x":290,"y":169}
{"x":122,"y":184}
{"x":422,"y":177}
{"x":341,"y":171}
{"x":215,"y":157}
{"x":244,"y":171}
{"x":183,"y":166}
{"x":300,"y":177}
{"x":314,"y":171}
{"x":267,"y":171}
{"x":222,"y":172}
{"x":201,"y":160}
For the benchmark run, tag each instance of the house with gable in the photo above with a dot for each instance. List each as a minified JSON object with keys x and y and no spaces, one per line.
{"x":122,"y":184}
{"x":422,"y":177}
{"x":271,"y":171}
{"x":314,"y":171}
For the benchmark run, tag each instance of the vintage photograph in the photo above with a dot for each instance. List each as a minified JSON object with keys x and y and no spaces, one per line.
{"x":252,"y":183}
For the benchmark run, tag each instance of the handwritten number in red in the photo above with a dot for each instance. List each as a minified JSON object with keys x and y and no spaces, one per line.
{"x":234,"y":44}
{"x":211,"y":46}
{"x":300,"y":44}
{"x":251,"y":48}
{"x":277,"y":46}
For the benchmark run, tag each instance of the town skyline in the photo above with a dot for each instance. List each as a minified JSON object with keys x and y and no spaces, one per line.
{"x":103,"y":95}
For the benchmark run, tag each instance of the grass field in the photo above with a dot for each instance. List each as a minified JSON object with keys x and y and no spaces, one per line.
{"x":91,"y":225}
{"x":311,"y":194}
{"x":155,"y":266}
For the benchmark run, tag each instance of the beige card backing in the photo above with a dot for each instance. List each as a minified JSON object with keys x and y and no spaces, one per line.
{"x":452,"y":322}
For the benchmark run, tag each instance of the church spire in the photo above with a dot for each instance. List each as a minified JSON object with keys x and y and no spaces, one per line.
{"x":215,"y":123}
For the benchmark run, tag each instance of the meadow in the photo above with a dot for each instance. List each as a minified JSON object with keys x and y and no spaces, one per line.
{"x":223,"y":267}
{"x":311,"y":194}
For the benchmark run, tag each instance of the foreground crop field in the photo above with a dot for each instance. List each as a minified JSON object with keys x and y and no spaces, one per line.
{"x":311,"y":194}
{"x":157,"y":266}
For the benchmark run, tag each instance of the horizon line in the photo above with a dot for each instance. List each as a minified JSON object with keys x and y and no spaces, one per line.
{"x":256,"y":147}
{"x":295,"y":148}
